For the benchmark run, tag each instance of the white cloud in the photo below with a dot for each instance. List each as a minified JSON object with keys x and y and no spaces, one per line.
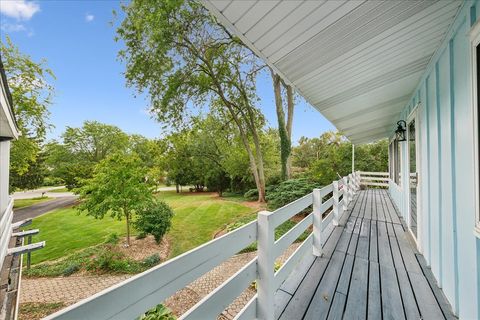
{"x":19,"y":9}
{"x":12,"y":27}
{"x":89,"y":17}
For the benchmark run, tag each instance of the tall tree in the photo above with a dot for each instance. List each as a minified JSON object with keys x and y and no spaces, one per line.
{"x":284,"y":122}
{"x":32,"y":92}
{"x":118,"y":187}
{"x":82,"y":148}
{"x":178,"y":52}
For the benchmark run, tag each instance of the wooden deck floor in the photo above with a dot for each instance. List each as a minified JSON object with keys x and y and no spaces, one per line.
{"x":369,"y":270}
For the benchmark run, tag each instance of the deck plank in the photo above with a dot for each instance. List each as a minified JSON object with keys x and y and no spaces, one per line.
{"x":391,"y":300}
{"x":374,"y":300}
{"x":411,"y":263}
{"x":384,"y":253}
{"x":427,"y":303}
{"x":344,"y":281}
{"x":300,"y":301}
{"x":373,"y":252}
{"x":356,"y":307}
{"x":338,"y":305}
{"x":323,"y":297}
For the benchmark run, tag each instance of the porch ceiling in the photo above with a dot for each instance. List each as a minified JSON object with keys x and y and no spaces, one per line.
{"x":357,"y":62}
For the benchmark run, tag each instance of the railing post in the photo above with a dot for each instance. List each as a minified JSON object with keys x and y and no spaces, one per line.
{"x":335,"y":203}
{"x":346,"y":196}
{"x":317,"y":223}
{"x":351,"y":187}
{"x":359,"y":179}
{"x":266,"y":267}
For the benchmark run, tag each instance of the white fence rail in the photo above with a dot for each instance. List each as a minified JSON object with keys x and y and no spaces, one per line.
{"x":374,"y":179}
{"x":131,"y":298}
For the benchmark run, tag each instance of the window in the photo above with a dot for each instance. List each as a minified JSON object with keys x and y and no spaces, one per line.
{"x":395,"y":161}
{"x":398,"y":162}
{"x":475,"y":53}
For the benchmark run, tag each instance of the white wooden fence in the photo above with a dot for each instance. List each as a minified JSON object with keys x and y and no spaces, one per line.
{"x":131,"y":298}
{"x":5,"y":230}
{"x":377,"y":179}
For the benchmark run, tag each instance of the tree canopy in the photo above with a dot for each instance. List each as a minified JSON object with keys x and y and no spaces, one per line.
{"x":178,"y":53}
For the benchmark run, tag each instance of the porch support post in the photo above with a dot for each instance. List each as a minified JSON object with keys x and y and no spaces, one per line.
{"x":335,"y":203}
{"x":317,"y":223}
{"x":266,"y":266}
{"x":346,"y":196}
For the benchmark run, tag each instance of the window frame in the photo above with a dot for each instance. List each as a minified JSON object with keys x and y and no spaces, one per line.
{"x":474,"y":47}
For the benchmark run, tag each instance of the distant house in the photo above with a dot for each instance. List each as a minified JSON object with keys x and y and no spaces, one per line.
{"x":403,"y":70}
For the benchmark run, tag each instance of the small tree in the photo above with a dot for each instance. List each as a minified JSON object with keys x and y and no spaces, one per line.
{"x":154,"y":219}
{"x":118,"y":187}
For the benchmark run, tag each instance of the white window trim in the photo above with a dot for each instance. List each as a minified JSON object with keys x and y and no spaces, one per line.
{"x":474,"y":42}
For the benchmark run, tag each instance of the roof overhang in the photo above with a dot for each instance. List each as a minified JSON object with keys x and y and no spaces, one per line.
{"x":8,"y":125}
{"x":357,"y":62}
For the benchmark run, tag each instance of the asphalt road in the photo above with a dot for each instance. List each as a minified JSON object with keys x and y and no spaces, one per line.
{"x":41,"y":208}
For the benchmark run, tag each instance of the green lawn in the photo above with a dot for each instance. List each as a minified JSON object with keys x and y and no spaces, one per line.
{"x":59,"y":190}
{"x":65,"y":232}
{"x":20,"y":203}
{"x":197,"y":218}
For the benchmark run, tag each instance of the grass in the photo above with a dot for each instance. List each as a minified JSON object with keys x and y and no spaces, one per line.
{"x":197,"y":217}
{"x":65,"y":231}
{"x":59,"y":190}
{"x":21,"y":203}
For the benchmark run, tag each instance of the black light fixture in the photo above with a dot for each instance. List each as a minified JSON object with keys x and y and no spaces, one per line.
{"x":400,"y":132}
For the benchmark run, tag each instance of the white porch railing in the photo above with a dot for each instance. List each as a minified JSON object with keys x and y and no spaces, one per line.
{"x":377,"y":179}
{"x":131,"y":298}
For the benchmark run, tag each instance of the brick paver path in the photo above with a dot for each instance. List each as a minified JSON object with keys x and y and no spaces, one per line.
{"x":75,"y":288}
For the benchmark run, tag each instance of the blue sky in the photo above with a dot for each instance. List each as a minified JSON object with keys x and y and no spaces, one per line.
{"x":77,"y":40}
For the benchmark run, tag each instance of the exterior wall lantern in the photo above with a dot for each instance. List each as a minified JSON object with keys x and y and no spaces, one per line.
{"x":400,"y":132}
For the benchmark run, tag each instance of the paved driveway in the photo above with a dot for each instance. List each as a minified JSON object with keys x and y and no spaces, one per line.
{"x":44,"y":207}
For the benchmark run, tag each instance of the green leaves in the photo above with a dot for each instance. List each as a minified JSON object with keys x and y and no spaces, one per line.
{"x":118,"y":187}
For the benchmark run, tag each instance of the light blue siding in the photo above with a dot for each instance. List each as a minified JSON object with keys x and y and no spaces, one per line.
{"x":446,"y":177}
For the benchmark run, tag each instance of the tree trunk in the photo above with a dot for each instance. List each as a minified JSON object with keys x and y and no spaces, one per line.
{"x":284,"y":129}
{"x":177,"y":188}
{"x":290,"y":111}
{"x":127,"y":216}
{"x":257,"y":174}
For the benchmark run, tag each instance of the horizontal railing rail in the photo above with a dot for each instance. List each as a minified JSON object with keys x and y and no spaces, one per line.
{"x":131,"y":298}
{"x":374,"y":179}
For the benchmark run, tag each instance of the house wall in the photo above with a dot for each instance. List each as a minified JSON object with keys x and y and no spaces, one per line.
{"x":5,"y":217}
{"x":446,"y":180}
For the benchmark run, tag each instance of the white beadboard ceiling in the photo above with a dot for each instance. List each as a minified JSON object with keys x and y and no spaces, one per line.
{"x":357,"y":62}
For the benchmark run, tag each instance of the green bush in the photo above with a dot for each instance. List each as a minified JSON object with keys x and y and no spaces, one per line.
{"x":112,"y":238}
{"x":151,"y":261}
{"x":160,"y":312}
{"x":288,"y":191}
{"x":251,"y":195}
{"x":71,"y":269}
{"x":155,"y":219}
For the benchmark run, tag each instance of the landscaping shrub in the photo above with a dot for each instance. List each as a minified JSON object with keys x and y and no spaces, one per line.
{"x":288,"y":191}
{"x":112,"y":238}
{"x":151,"y":261}
{"x":155,"y":219}
{"x":160,"y":312}
{"x":71,"y":269}
{"x":251,"y":195}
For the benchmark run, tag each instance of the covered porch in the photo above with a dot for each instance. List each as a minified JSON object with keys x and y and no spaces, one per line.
{"x":368,"y":270}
